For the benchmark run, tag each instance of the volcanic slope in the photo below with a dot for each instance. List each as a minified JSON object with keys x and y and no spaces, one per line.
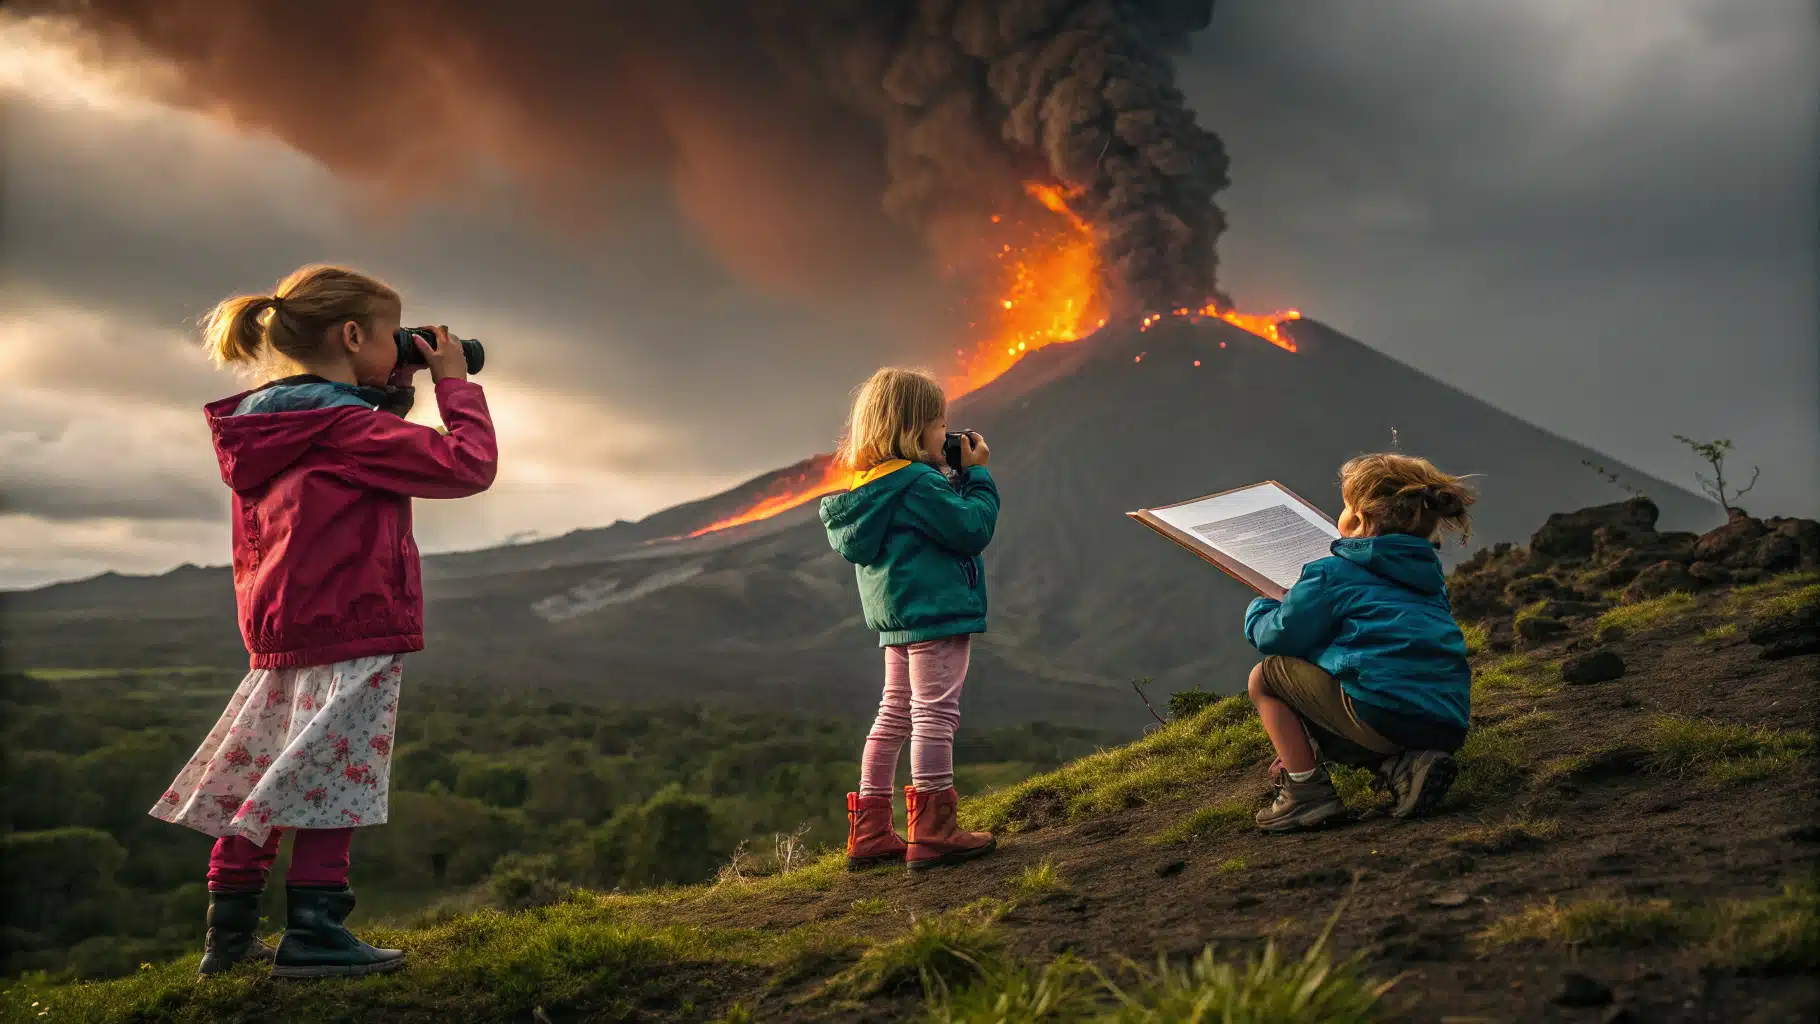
{"x":1083,"y":600}
{"x":1631,"y":838}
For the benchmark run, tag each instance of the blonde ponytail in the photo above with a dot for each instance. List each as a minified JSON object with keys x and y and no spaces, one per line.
{"x":234,"y":331}
{"x":296,"y":319}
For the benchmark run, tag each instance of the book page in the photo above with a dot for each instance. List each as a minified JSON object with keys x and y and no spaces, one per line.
{"x":1262,"y":527}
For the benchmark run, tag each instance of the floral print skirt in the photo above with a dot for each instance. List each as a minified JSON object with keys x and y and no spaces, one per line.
{"x":296,"y":748}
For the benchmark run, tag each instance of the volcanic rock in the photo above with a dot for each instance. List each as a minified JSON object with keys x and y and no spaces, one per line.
{"x":1709,"y":574}
{"x":1594,"y":667}
{"x":1731,"y":544}
{"x":1657,"y":580}
{"x":1540,"y":628}
{"x":1575,"y":534}
{"x":1579,"y":990}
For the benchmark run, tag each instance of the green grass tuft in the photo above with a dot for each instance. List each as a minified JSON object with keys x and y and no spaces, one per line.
{"x":1222,"y":819}
{"x":941,"y":953}
{"x":1516,"y":674}
{"x":1718,"y":633}
{"x":1510,"y":834}
{"x":1062,"y":990}
{"x":1632,"y":617}
{"x":1041,"y":880}
{"x":870,"y":906}
{"x":1723,"y":753}
{"x":1477,"y":635}
{"x":1353,"y":785}
{"x":1219,"y":738}
{"x":1267,"y":988}
{"x":1493,"y":764}
{"x":1780,"y":932}
{"x":1231,"y":865}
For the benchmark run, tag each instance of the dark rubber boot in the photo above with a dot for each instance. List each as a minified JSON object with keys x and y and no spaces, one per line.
{"x":317,"y":944}
{"x":233,"y":934}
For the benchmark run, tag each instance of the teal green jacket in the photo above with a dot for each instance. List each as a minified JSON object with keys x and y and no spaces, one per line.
{"x":915,"y":541}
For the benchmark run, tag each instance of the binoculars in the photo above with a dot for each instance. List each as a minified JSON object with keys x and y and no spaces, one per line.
{"x":409,"y":356}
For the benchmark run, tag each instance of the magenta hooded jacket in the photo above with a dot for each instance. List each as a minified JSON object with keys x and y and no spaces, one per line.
{"x":325,"y":568}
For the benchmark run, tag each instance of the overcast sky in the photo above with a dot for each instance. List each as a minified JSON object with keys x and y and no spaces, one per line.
{"x":1599,"y":217}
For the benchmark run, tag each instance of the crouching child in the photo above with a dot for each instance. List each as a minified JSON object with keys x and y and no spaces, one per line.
{"x":1364,"y":664}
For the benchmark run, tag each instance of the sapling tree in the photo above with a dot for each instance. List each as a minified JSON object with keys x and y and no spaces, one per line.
{"x":1716,"y":488}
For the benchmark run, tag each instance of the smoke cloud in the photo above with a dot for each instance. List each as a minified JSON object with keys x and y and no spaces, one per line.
{"x":810,"y":140}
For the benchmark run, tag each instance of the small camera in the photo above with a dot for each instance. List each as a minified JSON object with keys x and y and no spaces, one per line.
{"x":955,"y":444}
{"x":409,"y":356}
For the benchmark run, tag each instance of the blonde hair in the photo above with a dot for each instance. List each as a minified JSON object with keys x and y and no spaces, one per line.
{"x":1402,"y":494}
{"x":890,"y":412}
{"x":296,"y":318}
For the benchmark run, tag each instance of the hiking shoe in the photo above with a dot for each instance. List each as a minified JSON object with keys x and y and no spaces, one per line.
{"x":233,"y":935}
{"x":1418,"y":781}
{"x":1300,"y":805}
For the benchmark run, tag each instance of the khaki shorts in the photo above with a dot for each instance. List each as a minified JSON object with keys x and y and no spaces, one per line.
{"x":1326,"y":710}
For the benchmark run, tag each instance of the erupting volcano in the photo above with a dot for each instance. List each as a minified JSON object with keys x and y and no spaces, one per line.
{"x":1050,"y":291}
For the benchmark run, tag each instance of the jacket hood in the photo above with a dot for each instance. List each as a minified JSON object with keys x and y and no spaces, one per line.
{"x":1408,"y":561}
{"x":858,"y":520}
{"x":255,"y":448}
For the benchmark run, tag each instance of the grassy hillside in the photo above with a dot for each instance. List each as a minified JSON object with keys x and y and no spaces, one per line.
{"x":1638,"y":848}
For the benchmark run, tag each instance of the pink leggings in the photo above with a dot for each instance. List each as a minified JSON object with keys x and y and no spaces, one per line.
{"x":319,"y":856}
{"x":922,"y":703}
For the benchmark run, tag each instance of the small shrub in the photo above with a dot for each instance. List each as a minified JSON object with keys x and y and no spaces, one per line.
{"x":1189,"y":703}
{"x":1222,"y":819}
{"x":1267,"y":988}
{"x":1040,"y":880}
{"x":1724,"y":753}
{"x":942,"y":953}
{"x":1632,"y":617}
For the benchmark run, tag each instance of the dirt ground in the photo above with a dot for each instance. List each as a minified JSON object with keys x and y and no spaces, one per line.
{"x":1421,"y":895}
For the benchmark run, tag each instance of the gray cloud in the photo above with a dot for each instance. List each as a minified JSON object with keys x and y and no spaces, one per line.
{"x":1600,"y":219}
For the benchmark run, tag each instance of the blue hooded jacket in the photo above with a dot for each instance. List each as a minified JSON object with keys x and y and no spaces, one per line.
{"x":1375,"y":616}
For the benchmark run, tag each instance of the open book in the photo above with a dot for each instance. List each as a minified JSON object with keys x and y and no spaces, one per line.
{"x":1260,"y":535}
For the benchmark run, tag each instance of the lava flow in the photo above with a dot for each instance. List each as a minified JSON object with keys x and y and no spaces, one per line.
{"x":1051,"y":294}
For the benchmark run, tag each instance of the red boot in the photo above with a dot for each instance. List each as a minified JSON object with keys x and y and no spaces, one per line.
{"x":935,"y":837}
{"x":871,"y":840}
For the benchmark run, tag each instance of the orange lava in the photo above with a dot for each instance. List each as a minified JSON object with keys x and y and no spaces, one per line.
{"x":822,"y":476}
{"x":1268,"y":326}
{"x":1050,"y":294}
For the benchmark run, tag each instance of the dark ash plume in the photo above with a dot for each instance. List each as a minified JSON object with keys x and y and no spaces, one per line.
{"x":809,"y":111}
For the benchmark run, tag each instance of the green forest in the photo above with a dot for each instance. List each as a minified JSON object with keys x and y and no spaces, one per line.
{"x":496,"y":800}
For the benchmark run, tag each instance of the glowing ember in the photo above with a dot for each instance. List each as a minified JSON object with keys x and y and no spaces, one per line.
{"x":822,"y":476}
{"x":1050,"y":294}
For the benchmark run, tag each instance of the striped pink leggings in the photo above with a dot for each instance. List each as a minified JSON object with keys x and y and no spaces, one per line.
{"x":922,"y":703}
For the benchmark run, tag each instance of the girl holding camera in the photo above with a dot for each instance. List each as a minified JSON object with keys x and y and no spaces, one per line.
{"x":915,"y":539}
{"x":322,"y":468}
